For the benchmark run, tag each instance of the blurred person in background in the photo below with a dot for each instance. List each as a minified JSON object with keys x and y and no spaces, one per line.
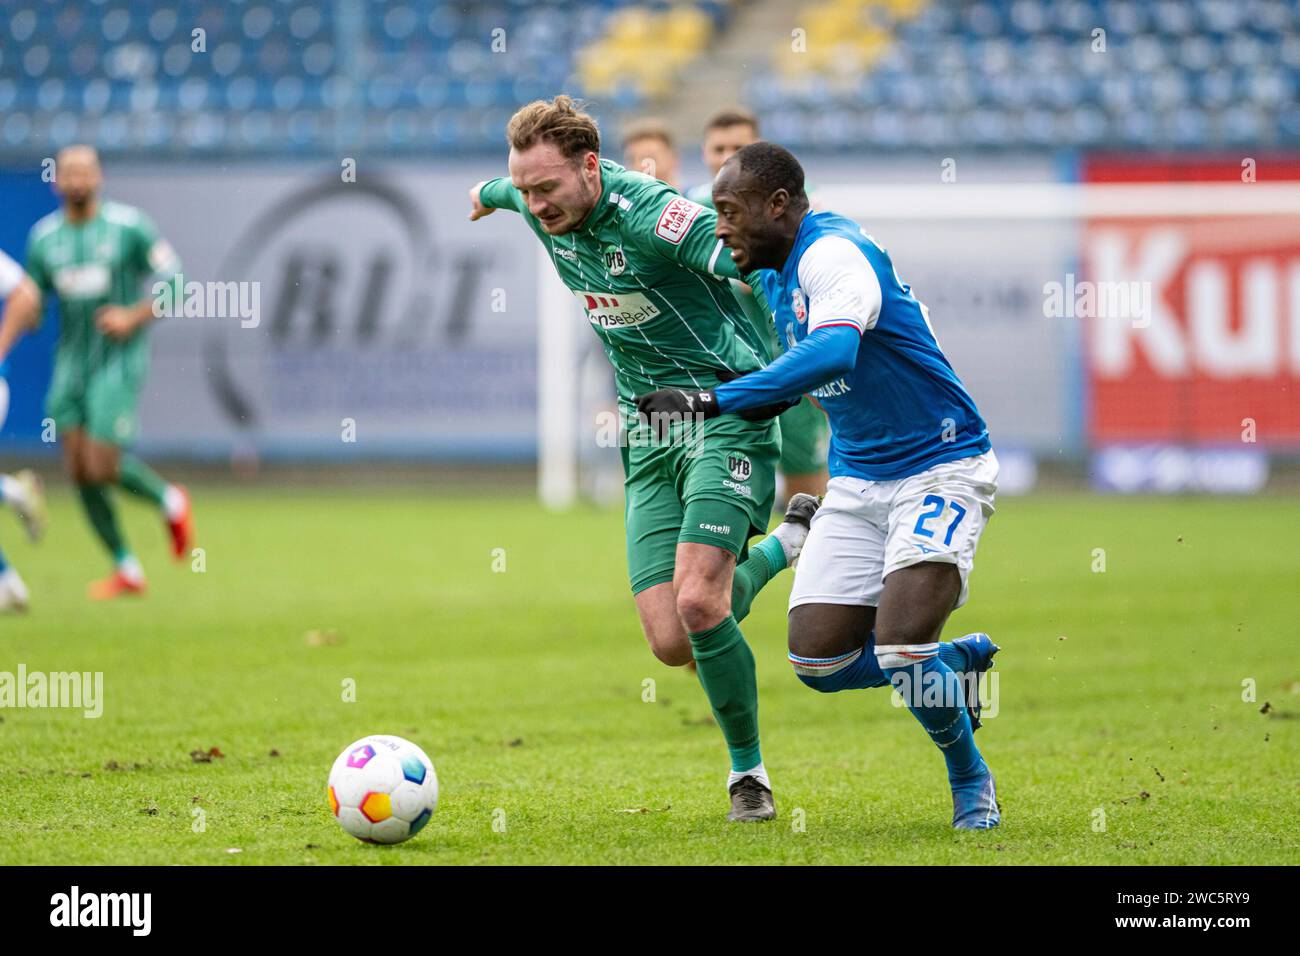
{"x":21,"y":492}
{"x":727,"y":132}
{"x":95,"y":256}
{"x":649,"y":147}
{"x":805,"y":435}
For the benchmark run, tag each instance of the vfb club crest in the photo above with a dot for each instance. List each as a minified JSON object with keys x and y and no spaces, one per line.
{"x":739,"y":466}
{"x":615,"y":261}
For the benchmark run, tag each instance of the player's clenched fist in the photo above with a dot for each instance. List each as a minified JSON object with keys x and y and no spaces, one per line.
{"x":115,"y":321}
{"x":476,"y":208}
{"x":668,"y":406}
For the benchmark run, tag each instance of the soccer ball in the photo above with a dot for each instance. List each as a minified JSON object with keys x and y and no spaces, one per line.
{"x":383,"y":789}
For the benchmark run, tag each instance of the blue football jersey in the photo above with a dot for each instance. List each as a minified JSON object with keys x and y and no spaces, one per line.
{"x":902,"y":409}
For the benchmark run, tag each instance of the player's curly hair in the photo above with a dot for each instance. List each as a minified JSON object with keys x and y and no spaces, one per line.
{"x":560,"y":121}
{"x":771,"y":167}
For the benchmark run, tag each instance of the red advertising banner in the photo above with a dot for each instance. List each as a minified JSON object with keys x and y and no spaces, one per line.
{"x":1193,"y":325}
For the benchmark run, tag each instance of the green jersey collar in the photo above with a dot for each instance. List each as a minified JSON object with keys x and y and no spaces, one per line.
{"x":609,"y":200}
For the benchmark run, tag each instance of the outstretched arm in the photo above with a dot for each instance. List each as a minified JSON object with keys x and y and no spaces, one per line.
{"x":23,"y":299}
{"x":493,"y":194}
{"x":825,"y":355}
{"x":22,"y":313}
{"x":844,"y":302}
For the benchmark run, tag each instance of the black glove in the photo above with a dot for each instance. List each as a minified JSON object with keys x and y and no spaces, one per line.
{"x":763,"y":412}
{"x":668,"y":406}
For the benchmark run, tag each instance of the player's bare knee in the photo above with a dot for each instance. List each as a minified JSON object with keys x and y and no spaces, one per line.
{"x":661,"y":626}
{"x":72,"y":467}
{"x":672,"y":649}
{"x":99,"y":471}
{"x":828,"y":630}
{"x":906,"y":632}
{"x":800,"y":628}
{"x":701,"y":605}
{"x":923,"y":626}
{"x":668,"y":641}
{"x":825,"y":641}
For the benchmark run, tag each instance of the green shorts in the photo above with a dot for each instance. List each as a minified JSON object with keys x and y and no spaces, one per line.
{"x":716,"y":488}
{"x":102,"y":402}
{"x":805,"y":436}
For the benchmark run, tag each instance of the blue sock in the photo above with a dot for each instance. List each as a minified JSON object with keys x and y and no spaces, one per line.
{"x":4,"y":565}
{"x":934,"y":694}
{"x":851,"y":671}
{"x":859,"y":669}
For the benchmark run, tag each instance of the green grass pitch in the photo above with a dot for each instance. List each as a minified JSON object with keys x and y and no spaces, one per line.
{"x":1122,"y":734}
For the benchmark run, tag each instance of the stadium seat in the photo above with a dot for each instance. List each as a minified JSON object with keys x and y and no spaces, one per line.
{"x":261,"y":77}
{"x":1201,"y":73}
{"x":906,"y":73}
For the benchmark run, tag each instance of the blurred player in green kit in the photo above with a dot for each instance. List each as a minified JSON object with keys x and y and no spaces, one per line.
{"x":96,"y":256}
{"x":805,"y":434}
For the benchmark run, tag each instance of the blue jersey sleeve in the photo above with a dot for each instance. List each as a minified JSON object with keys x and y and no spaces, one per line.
{"x":825,"y":355}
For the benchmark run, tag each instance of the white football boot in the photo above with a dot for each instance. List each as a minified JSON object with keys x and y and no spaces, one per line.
{"x":793,"y":531}
{"x":13,"y":592}
{"x":26,"y":495}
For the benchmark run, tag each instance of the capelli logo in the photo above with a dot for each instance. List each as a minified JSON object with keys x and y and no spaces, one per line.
{"x":103,"y":909}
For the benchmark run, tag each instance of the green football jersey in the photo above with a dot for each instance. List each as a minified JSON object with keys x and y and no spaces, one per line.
{"x":105,"y":260}
{"x":751,"y":299}
{"x":654,"y":281}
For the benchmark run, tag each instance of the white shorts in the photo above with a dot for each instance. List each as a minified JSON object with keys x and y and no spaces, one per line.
{"x":865,"y":530}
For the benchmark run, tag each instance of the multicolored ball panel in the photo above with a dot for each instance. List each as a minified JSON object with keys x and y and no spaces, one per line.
{"x":413,"y":768}
{"x":377,"y":807}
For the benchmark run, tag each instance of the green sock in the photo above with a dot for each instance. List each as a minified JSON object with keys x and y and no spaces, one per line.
{"x":139,"y":479}
{"x":766,"y":560}
{"x":99,"y":509}
{"x":726,"y":671}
